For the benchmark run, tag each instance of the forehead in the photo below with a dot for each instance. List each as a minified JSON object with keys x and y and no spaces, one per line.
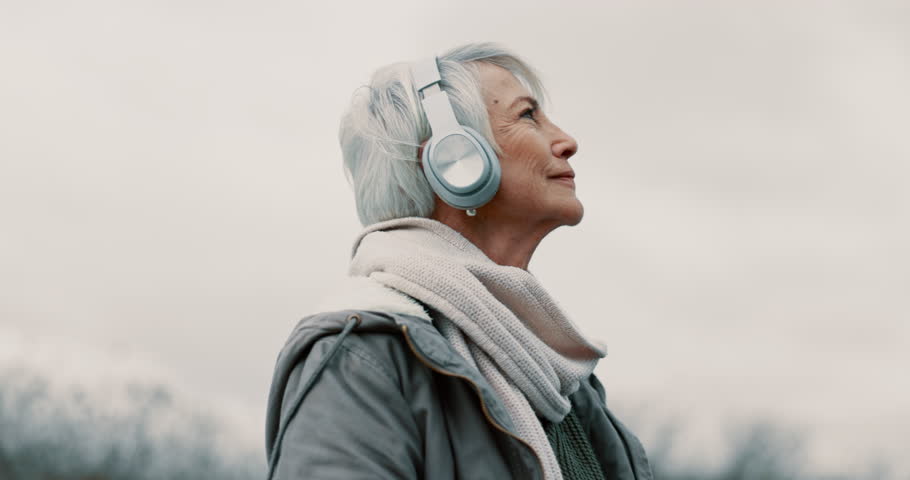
{"x":499,"y":86}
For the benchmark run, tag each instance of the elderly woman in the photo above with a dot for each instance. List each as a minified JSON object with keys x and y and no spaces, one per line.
{"x":444,"y":358}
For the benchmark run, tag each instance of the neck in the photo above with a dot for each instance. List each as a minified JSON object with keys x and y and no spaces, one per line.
{"x":506,"y":241}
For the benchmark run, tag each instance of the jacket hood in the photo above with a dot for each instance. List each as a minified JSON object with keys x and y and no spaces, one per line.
{"x":366,"y":294}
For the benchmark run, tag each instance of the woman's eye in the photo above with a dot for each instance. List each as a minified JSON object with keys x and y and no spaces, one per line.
{"x":528,"y":113}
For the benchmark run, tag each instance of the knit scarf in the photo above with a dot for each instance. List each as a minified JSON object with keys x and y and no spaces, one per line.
{"x":499,"y":318}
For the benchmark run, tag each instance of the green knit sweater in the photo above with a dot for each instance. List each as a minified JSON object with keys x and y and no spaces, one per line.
{"x":573,"y":449}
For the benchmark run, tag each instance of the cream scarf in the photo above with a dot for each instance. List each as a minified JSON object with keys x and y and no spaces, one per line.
{"x":499,"y":318}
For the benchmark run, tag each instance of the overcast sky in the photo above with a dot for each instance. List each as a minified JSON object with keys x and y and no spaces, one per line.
{"x":171,"y":189}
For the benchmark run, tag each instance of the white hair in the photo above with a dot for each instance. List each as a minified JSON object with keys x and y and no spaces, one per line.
{"x":385,"y":124}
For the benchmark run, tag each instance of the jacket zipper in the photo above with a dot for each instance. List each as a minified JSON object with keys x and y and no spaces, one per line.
{"x":483,"y":406}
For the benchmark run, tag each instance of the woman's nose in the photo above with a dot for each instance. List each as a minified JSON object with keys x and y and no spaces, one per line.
{"x":565,"y":146}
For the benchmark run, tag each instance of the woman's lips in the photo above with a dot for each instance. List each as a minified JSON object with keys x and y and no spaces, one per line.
{"x":566,"y":179}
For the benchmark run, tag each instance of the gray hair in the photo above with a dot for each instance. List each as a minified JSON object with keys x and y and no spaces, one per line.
{"x":385,"y":124}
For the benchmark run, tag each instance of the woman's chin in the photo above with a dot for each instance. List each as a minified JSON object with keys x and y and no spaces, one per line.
{"x":580,"y":215}
{"x":572,"y":213}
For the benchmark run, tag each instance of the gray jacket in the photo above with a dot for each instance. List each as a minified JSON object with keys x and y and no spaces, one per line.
{"x":369,"y":395}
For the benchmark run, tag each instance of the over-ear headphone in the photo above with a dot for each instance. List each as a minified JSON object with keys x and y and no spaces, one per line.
{"x":459,"y":163}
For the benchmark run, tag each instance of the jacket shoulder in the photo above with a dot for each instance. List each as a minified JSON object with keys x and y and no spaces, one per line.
{"x":373,"y":337}
{"x":345,"y":390}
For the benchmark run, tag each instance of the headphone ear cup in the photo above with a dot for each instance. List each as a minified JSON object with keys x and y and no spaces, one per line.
{"x":490,"y":154}
{"x":452,"y":170}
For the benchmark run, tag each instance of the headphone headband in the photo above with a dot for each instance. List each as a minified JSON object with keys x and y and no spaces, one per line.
{"x":435,"y":101}
{"x":425,"y":73}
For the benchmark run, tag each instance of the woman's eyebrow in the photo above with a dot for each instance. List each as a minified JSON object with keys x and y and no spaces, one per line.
{"x":525,"y":98}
